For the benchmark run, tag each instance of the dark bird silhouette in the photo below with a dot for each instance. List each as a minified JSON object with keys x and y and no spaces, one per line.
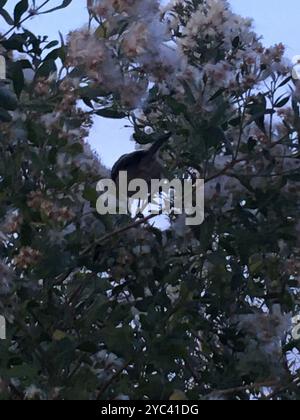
{"x":142,"y":164}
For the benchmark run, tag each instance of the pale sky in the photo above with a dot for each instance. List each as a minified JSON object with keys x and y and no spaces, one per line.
{"x":276,"y":20}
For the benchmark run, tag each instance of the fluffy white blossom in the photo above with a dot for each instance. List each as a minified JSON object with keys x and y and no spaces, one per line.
{"x":33,"y":393}
{"x":85,"y":49}
{"x":268,"y":329}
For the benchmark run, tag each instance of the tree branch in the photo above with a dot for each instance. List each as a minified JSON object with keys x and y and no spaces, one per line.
{"x":224,"y":392}
{"x":30,"y":15}
{"x":117,"y":232}
{"x":111,"y":380}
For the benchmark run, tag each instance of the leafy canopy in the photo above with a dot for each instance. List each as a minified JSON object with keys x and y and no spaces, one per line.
{"x":101,"y":307}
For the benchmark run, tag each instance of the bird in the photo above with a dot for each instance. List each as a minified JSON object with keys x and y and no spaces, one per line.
{"x":141,"y":164}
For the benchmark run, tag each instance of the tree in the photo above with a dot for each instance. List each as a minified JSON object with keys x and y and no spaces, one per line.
{"x":103,"y":307}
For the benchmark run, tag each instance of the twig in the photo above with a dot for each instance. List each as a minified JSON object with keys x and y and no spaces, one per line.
{"x":242,"y":115}
{"x":294,"y":382}
{"x":15,"y":390}
{"x":63,"y":277}
{"x":225,"y":169}
{"x":117,"y":232}
{"x":112,"y":379}
{"x":193,"y":371}
{"x":224,"y":392}
{"x":30,"y":15}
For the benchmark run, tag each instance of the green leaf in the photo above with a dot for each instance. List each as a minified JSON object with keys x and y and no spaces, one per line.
{"x":111,"y":113}
{"x":178,"y":396}
{"x":285,"y":82}
{"x":90,"y":194}
{"x":51,"y":44}
{"x":252,"y":143}
{"x":296,"y":108}
{"x":75,"y":149}
{"x":236,"y":42}
{"x":188,"y":91}
{"x":176,"y":107}
{"x":46,"y":68}
{"x":282,"y":102}
{"x":6,"y":16}
{"x":88,"y":347}
{"x":59,"y":335}
{"x":15,"y":42}
{"x":8,"y":99}
{"x":235,"y":122}
{"x":20,"y":9}
{"x":18,"y":77}
{"x":55,"y":54}
{"x":217,"y":94}
{"x":89,"y":93}
{"x":5,"y":116}
{"x":64,"y":4}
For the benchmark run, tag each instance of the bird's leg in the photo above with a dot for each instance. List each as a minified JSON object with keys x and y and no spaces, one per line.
{"x":139,"y":214}
{"x":141,"y":206}
{"x":161,"y":200}
{"x":172,"y":202}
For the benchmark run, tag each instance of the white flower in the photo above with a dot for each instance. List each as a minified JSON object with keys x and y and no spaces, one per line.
{"x":173,"y":293}
{"x":268,"y":329}
{"x":122,"y":397}
{"x":33,"y":392}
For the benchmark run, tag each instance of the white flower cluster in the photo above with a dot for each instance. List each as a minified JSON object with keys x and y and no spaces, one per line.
{"x":136,"y":8}
{"x":11,"y":224}
{"x":103,"y":68}
{"x":144,"y":46}
{"x":104,"y":363}
{"x":85,"y":49}
{"x":34,"y":393}
{"x":230,"y":52}
{"x":269,"y":330}
{"x":216,"y":19}
{"x":149,"y":45}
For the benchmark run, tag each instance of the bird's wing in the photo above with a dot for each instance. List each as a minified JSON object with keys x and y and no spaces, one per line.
{"x":126,"y":162}
{"x":133,"y":160}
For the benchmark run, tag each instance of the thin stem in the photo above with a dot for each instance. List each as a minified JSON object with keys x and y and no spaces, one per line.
{"x":242,"y":115}
{"x":225,"y":169}
{"x":272,"y":99}
{"x":113,"y":378}
{"x":31,"y":14}
{"x":117,"y":232}
{"x":253,"y":387}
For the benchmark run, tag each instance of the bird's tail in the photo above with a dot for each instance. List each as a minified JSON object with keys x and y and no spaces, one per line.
{"x":159,"y":142}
